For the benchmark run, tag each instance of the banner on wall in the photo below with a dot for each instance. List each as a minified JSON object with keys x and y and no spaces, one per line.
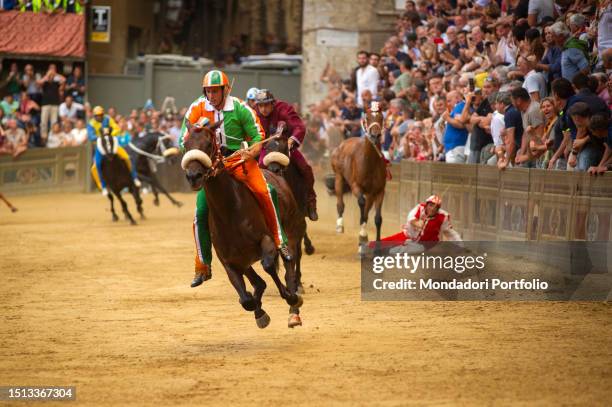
{"x":100,"y":23}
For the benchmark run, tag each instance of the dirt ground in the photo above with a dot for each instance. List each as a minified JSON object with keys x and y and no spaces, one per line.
{"x":107,"y":308}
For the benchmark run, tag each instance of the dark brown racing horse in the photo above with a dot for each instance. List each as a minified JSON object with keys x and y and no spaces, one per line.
{"x":277,"y":160}
{"x":237,"y":226}
{"x":147,"y":152}
{"x":359,"y":163}
{"x":117,"y":176}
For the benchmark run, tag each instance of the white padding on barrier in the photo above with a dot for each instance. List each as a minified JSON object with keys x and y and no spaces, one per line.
{"x":276,"y":157}
{"x":198,"y":155}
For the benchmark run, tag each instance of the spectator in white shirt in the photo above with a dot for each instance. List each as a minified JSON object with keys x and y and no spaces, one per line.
{"x":496,"y":151}
{"x":69,"y":109}
{"x":534,"y":82}
{"x":604,"y":29}
{"x":57,"y":138}
{"x":367,"y":77}
{"x":507,"y":48}
{"x":538,"y":9}
{"x":79,"y":133}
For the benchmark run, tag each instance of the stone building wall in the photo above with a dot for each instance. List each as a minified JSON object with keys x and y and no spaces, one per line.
{"x":333,"y":32}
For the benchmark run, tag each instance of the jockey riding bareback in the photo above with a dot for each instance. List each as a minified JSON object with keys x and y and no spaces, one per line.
{"x":239,"y":123}
{"x":95,"y":129}
{"x":272,"y":111}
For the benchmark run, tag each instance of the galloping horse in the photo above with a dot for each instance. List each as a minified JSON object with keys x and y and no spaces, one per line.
{"x":277,"y":160}
{"x":146,"y":152}
{"x":358,"y":162}
{"x":117,"y":176}
{"x":237,"y":226}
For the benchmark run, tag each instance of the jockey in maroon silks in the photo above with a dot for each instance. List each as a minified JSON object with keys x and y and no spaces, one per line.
{"x":271,"y":112}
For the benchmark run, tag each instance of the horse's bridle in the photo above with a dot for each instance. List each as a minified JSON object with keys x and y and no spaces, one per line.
{"x":372,"y":139}
{"x":218,"y":162}
{"x":106,"y":146}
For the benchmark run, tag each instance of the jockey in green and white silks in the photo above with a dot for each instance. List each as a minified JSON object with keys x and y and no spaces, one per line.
{"x":240,"y":123}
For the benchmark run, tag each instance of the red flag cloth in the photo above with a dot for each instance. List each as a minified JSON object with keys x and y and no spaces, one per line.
{"x":40,"y":34}
{"x":398,"y":238}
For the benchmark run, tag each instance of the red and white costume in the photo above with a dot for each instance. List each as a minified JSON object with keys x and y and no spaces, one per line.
{"x":422,"y":228}
{"x":433,"y":229}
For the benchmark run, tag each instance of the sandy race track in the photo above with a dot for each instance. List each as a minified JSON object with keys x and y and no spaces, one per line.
{"x":107,"y":308}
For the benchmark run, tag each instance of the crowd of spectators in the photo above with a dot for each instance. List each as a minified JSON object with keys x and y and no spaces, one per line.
{"x":48,"y":110}
{"x":523,"y":83}
{"x":41,"y":109}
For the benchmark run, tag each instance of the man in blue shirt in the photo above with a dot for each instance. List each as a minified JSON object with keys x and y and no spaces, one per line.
{"x":455,"y":134}
{"x":601,"y":127}
{"x":564,"y":97}
{"x":513,"y":131}
{"x":350,"y":118}
{"x":586,"y":95}
{"x":574,"y":55}
{"x":551,"y":62}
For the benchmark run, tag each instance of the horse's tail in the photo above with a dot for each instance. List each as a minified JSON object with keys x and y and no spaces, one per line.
{"x":330,"y":184}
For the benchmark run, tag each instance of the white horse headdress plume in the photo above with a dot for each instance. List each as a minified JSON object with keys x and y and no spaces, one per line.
{"x":375,"y":107}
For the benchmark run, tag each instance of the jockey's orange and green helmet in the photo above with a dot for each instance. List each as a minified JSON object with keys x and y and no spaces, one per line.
{"x":214,"y":78}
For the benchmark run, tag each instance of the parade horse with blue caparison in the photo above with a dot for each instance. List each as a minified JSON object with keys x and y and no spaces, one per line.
{"x":360,"y":167}
{"x":237,"y":225}
{"x":117,"y":176}
{"x":277,"y":160}
{"x":146,"y":152}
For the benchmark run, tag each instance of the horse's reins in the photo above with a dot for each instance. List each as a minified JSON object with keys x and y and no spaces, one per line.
{"x":230,"y":162}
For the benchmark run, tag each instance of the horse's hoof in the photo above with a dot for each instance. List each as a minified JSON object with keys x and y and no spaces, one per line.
{"x":309,"y":250}
{"x":250,"y":304}
{"x":14,"y":210}
{"x":294,"y":320}
{"x":339,"y":229}
{"x":142,"y":217}
{"x":363,"y":239}
{"x":133,"y":223}
{"x":297,"y":302}
{"x":178,"y":204}
{"x":313,"y":215}
{"x":115,"y":218}
{"x":300,"y":289}
{"x":156,"y":202}
{"x":263,"y":321}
